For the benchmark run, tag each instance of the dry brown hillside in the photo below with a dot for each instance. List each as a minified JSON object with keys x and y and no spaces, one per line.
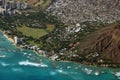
{"x":102,"y":45}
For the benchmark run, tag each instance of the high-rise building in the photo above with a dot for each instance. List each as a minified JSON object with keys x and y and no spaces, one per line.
{"x":8,"y":5}
{"x":15,"y":39}
{"x":18,"y":5}
{"x":0,"y":2}
{"x":11,"y":5}
{"x":4,"y":3}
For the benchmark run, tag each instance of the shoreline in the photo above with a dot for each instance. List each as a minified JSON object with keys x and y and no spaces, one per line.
{"x":82,"y":63}
{"x":8,"y":37}
{"x":13,"y":42}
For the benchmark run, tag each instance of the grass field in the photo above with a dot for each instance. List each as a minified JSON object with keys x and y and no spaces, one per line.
{"x":42,"y":3}
{"x":35,"y":32}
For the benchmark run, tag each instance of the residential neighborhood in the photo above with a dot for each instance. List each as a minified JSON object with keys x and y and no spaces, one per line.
{"x":77,"y":11}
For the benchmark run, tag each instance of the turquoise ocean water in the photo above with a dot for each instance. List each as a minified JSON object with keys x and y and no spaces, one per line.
{"x":18,"y":64}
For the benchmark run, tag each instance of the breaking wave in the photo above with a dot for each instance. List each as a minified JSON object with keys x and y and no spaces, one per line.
{"x":61,"y":71}
{"x":28,"y":63}
{"x":3,"y":56}
{"x":87,"y":71}
{"x":4,"y":64}
{"x":17,"y":69}
{"x":117,"y":74}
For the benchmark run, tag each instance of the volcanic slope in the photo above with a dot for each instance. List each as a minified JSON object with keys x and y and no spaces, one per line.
{"x":102,"y":46}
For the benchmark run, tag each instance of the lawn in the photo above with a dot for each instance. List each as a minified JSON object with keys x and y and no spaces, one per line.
{"x":35,"y":32}
{"x":44,"y":3}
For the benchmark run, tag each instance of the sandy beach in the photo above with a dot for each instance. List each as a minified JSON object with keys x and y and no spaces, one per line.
{"x":8,"y":37}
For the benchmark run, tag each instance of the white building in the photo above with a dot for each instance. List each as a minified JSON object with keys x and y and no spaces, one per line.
{"x":16,"y":39}
{"x":2,"y":10}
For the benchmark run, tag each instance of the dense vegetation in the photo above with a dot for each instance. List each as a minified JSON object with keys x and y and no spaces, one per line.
{"x":38,"y":22}
{"x":48,"y":37}
{"x":59,"y":39}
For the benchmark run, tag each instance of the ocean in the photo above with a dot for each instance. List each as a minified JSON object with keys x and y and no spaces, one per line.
{"x":19,"y":64}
